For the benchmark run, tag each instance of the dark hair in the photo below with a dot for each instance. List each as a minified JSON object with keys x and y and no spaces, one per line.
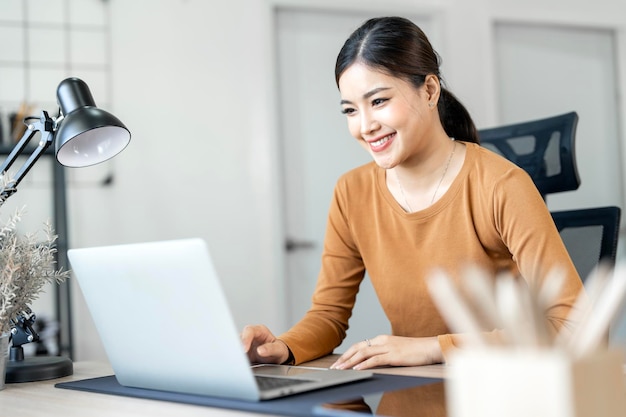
{"x":398,"y":47}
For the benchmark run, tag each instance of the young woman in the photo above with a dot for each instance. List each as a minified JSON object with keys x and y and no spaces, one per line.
{"x":431,"y":199}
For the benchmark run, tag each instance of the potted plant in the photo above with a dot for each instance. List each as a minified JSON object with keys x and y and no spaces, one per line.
{"x":27,"y":264}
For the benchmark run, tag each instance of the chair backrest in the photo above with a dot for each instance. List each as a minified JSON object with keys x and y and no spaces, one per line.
{"x":544,"y":148}
{"x":590,"y":235}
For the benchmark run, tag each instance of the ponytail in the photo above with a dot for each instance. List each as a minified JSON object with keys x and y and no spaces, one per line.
{"x":455,"y":118}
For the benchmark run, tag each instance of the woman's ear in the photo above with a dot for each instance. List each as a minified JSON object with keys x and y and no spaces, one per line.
{"x":432,"y":86}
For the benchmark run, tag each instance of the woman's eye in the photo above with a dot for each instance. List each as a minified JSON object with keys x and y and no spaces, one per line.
{"x":378,"y":101}
{"x":347,"y":110}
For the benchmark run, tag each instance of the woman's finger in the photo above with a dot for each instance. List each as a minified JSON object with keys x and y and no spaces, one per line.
{"x":355,"y":354}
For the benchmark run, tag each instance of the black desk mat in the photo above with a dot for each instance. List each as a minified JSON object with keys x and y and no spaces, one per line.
{"x":294,"y":405}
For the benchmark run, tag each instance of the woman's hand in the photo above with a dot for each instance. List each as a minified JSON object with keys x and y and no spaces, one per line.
{"x":262,"y":346}
{"x":392,"y":351}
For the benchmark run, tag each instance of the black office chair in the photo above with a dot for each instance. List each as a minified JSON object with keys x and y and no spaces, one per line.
{"x":544,"y":148}
{"x":590,"y":235}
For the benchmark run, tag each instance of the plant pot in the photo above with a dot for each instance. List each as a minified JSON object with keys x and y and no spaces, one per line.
{"x":4,"y":357}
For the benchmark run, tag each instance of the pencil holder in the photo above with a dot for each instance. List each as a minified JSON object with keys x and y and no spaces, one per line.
{"x":518,"y":382}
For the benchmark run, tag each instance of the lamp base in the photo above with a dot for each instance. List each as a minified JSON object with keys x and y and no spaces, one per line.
{"x":38,"y":368}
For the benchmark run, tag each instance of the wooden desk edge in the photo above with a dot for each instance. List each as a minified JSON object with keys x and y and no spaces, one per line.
{"x":31,"y":399}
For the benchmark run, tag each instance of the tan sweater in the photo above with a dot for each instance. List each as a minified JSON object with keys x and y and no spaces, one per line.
{"x":492,"y":216}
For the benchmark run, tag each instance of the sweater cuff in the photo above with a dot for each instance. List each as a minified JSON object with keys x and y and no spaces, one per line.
{"x":446,"y":343}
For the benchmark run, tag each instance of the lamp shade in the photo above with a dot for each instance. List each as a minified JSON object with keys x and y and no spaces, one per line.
{"x":86,"y":135}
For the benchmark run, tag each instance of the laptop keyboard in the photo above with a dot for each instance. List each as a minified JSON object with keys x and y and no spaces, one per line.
{"x":268,"y":382}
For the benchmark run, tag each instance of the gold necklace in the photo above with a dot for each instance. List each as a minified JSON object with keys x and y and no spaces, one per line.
{"x":445,"y":171}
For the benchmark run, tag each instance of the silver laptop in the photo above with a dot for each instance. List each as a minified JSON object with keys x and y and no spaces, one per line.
{"x":165,"y":324}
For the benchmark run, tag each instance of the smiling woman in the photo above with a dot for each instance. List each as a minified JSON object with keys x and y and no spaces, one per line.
{"x":400,"y":112}
{"x":432,"y":199}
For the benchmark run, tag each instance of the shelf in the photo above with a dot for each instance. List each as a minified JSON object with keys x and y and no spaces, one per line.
{"x":46,"y":46}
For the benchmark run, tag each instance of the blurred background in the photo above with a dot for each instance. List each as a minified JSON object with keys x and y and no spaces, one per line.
{"x":237,"y":135}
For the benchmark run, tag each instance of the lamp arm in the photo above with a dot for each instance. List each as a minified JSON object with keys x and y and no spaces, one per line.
{"x":46,"y":125}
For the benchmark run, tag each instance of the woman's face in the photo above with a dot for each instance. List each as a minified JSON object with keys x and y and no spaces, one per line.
{"x":389,"y":117}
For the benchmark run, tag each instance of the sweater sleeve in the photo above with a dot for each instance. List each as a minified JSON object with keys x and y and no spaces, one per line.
{"x":525,"y":226}
{"x":324,"y":326}
{"x":528,"y":230}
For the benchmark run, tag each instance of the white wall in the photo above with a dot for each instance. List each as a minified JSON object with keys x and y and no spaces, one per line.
{"x":193,"y":80}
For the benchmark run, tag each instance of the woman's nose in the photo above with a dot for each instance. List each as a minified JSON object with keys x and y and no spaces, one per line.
{"x":368,"y":123}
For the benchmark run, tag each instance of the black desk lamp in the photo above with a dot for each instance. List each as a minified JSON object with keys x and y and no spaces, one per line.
{"x":85,"y":135}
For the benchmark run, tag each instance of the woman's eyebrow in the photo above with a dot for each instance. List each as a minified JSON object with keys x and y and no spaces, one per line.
{"x":368,"y":94}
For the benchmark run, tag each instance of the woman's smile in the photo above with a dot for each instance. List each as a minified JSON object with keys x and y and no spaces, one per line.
{"x":381,"y":144}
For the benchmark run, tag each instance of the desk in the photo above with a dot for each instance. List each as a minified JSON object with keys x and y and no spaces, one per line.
{"x":35,"y":399}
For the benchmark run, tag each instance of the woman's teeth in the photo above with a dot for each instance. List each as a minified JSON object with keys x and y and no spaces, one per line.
{"x":380,"y":141}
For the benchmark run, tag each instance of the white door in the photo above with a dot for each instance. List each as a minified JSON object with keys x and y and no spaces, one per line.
{"x":317,"y":149}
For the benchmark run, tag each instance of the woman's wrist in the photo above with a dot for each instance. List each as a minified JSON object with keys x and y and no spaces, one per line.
{"x":436,"y":353}
{"x":291,"y":360}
